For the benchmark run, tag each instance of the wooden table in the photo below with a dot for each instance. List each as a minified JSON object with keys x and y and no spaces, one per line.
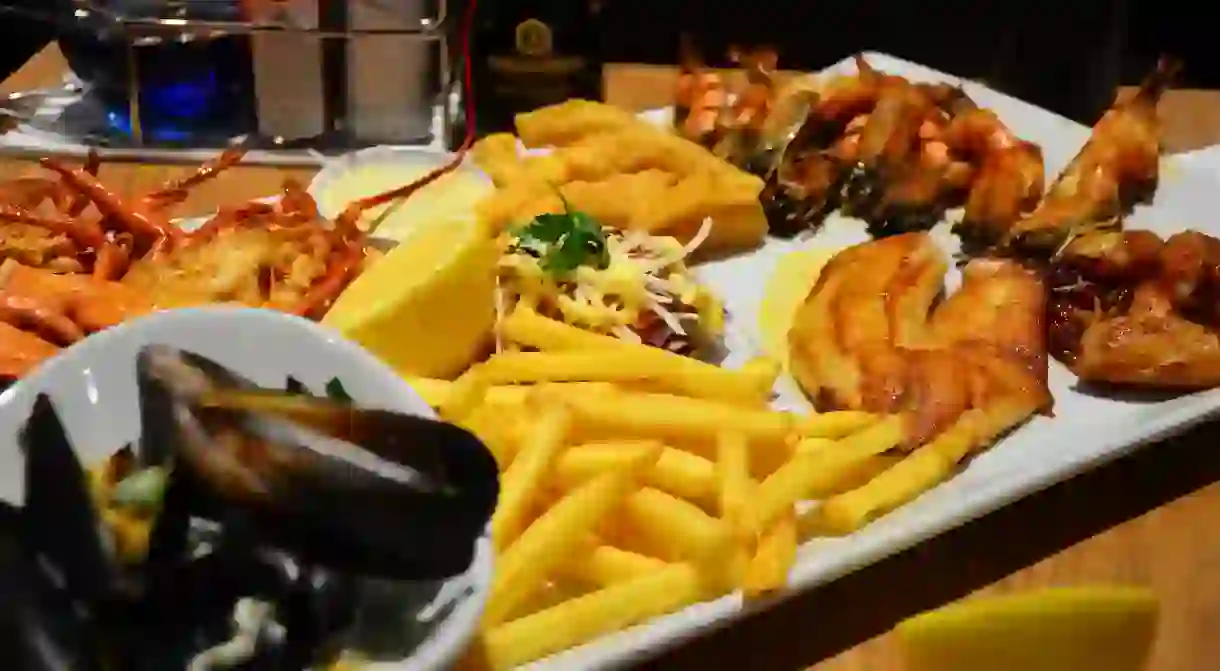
{"x":1160,"y":506}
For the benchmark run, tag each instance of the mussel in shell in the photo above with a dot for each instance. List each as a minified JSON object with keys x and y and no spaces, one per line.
{"x":273,"y":519}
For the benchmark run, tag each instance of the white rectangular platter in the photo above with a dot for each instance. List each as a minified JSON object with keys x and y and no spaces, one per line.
{"x":1086,"y":431}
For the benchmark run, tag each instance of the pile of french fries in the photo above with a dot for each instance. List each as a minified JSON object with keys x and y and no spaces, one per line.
{"x":635,"y":482}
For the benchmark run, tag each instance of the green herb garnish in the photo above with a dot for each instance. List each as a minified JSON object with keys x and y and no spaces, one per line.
{"x":564,"y":242}
{"x":142,"y":490}
{"x":336,"y":392}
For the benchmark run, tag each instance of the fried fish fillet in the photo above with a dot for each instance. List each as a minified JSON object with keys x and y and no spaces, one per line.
{"x":564,"y":123}
{"x":867,"y":338}
{"x":624,"y":172}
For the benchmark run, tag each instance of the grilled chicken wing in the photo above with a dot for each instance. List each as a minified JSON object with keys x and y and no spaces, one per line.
{"x":1129,"y":309}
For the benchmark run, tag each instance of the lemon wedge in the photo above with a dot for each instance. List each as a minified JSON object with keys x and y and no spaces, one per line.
{"x":1066,"y":629}
{"x":794,"y":277}
{"x":428,"y":307}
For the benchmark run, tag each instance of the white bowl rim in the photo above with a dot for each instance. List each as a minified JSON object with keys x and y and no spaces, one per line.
{"x":445,"y":644}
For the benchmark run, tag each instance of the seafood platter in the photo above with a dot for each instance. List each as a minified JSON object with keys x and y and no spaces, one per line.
{"x":719,"y":354}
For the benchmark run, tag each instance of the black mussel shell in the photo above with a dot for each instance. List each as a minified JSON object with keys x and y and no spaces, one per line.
{"x":367,"y":492}
{"x":295,"y":386}
{"x":61,"y":526}
{"x":41,"y":627}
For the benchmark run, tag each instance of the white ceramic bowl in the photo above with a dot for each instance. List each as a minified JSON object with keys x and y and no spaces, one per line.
{"x":420,"y":158}
{"x":93,"y":387}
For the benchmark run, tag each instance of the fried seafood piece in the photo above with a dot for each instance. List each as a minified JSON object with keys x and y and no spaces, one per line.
{"x":570,"y":121}
{"x":39,"y":246}
{"x":871,"y":143}
{"x":21,"y":351}
{"x":903,"y":177}
{"x":727,"y":115}
{"x":700,"y":98}
{"x":632,"y":177}
{"x":63,"y":308}
{"x":999,"y":308}
{"x":598,"y":156}
{"x":806,"y":169}
{"x":738,"y":131}
{"x":41,"y":311}
{"x":1009,"y":180}
{"x":69,"y":222}
{"x":867,"y":338}
{"x":1129,"y":309}
{"x":1115,"y":170}
{"x":497,"y":156}
{"x":850,"y":338}
{"x":847,"y":97}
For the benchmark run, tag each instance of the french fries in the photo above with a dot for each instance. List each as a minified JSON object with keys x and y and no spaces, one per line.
{"x":586,"y":617}
{"x":681,"y":374}
{"x":606,"y":565}
{"x":546,"y":544}
{"x":676,"y":471}
{"x":635,"y":482}
{"x":768,"y":569}
{"x":524,"y":477}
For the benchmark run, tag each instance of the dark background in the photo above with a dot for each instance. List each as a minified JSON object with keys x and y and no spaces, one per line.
{"x":1064,"y":54}
{"x":964,"y":38}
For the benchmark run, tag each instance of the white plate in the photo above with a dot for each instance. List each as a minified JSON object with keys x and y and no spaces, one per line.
{"x":1087,"y":430}
{"x":93,"y":387}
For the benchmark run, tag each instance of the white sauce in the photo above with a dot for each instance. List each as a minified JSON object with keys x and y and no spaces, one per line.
{"x":452,"y":196}
{"x":251,"y":618}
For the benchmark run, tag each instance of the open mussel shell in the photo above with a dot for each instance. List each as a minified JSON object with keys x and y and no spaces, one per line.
{"x":61,"y":525}
{"x":41,"y":627}
{"x":366,"y":492}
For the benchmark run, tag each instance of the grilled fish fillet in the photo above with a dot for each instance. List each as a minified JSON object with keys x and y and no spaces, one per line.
{"x":867,"y":338}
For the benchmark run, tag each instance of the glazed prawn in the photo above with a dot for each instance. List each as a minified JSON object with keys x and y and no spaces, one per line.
{"x":1115,"y":170}
{"x":1009,"y":180}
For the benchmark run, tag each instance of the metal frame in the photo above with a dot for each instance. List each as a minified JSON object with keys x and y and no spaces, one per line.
{"x":185,"y":29}
{"x":142,"y":31}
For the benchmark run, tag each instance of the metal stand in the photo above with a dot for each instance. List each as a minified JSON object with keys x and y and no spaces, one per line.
{"x":131,"y":36}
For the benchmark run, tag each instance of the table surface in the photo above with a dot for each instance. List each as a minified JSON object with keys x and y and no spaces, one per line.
{"x":1149,"y":521}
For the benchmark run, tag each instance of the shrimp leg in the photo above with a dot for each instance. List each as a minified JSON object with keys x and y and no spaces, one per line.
{"x":83,"y":232}
{"x":174,"y":192}
{"x":135,"y":220}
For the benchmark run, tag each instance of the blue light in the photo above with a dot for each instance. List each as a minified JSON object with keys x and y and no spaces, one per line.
{"x":182,"y":98}
{"x":170,"y":110}
{"x":121,"y":122}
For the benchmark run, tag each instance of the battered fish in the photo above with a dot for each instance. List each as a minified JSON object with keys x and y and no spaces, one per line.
{"x":621,"y":171}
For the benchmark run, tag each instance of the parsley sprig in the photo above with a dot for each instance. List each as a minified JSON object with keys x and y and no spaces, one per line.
{"x":563,"y":242}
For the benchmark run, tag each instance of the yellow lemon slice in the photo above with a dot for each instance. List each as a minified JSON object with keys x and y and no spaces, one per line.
{"x":794,"y":277}
{"x":1067,"y":629}
{"x":427,"y":308}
